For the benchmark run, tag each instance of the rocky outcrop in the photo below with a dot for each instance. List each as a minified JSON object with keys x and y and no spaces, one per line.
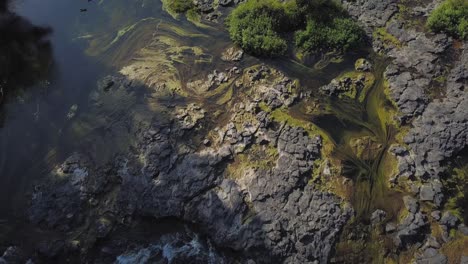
{"x":429,"y":253}
{"x":411,"y":228}
{"x":416,"y":63}
{"x":442,"y":130}
{"x":232,"y":54}
{"x":13,"y":255}
{"x":439,"y":133}
{"x":351,"y":84}
{"x":265,"y":213}
{"x":371,"y":13}
{"x":178,"y":248}
{"x":416,"y":55}
{"x":60,"y":207}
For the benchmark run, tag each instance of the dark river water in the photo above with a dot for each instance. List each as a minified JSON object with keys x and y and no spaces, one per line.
{"x":35,"y":126}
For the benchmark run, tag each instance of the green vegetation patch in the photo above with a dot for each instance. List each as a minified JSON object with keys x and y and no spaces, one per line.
{"x":450,"y":17}
{"x":181,"y":6}
{"x":255,"y":26}
{"x":256,"y":157}
{"x":457,"y":188}
{"x":176,"y":7}
{"x":387,"y":38}
{"x":263,"y":27}
{"x":340,"y":34}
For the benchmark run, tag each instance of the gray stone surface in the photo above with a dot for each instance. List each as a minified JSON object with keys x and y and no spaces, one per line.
{"x":442,"y":130}
{"x":464,"y":260}
{"x":431,"y":256}
{"x":411,"y":229}
{"x":416,"y":55}
{"x":378,"y":216}
{"x":371,"y":13}
{"x":266,"y":214}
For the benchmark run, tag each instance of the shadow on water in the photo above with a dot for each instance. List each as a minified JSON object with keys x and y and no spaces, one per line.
{"x":25,"y":53}
{"x":38,"y":132}
{"x":25,"y":61}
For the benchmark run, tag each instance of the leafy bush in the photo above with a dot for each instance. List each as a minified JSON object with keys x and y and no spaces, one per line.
{"x":261,"y":27}
{"x":255,"y":26}
{"x":450,"y":17}
{"x":312,"y":38}
{"x":340,"y":35}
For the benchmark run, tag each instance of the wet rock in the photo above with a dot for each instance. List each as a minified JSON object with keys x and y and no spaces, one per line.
{"x":220,"y":211}
{"x":431,"y":256}
{"x":225,"y":2}
{"x":416,"y":55}
{"x":204,"y":6}
{"x":258,"y":73}
{"x":52,"y":248}
{"x":371,"y":13}
{"x":188,"y":117}
{"x":407,"y":92}
{"x":432,"y":192}
{"x":13,"y":255}
{"x":177,"y":248}
{"x":463,"y":229}
{"x":390,"y":227}
{"x":106,"y":83}
{"x":431,"y":242}
{"x":104,"y":226}
{"x":411,"y":204}
{"x":442,"y":129}
{"x":72,"y":111}
{"x":363,"y":65}
{"x":206,"y":142}
{"x":406,"y":167}
{"x":274,"y":93}
{"x":232,"y":54}
{"x":410,"y":230}
{"x":464,"y":260}
{"x":436,"y":215}
{"x":378,"y":216}
{"x":267,"y":213}
{"x":449,"y":220}
{"x":213,"y":80}
{"x":59,"y":204}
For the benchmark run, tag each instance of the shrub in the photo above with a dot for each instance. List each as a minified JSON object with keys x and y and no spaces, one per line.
{"x":255,"y":26}
{"x":341,"y":34}
{"x":450,"y":17}
{"x":261,"y":27}
{"x":312,"y":38}
{"x":344,"y":34}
